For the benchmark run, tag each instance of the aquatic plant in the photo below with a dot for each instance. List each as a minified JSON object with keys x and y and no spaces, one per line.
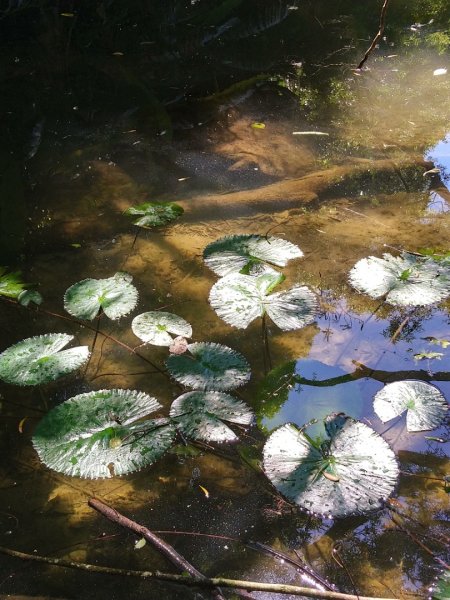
{"x":424,"y":404}
{"x":405,"y":280}
{"x":441,"y":591}
{"x":209,"y":366}
{"x":154,"y":214}
{"x":102,"y":434}
{"x":40,"y":359}
{"x":12,"y":286}
{"x":240,"y":299}
{"x":204,"y":415}
{"x":248,"y":254}
{"x":156,"y":327}
{"x":351,"y":471}
{"x":115,"y":296}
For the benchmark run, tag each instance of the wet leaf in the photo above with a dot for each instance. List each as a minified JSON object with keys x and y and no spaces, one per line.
{"x":425,"y":405}
{"x":140,"y":544}
{"x":405,"y":280}
{"x":353,"y":471}
{"x":231,"y":254}
{"x":11,"y":284}
{"x":441,"y":591}
{"x":240,"y":299}
{"x":154,"y":214}
{"x":38,"y":360}
{"x":158,"y":327}
{"x":438,"y":341}
{"x":428,"y":355}
{"x":209,"y":366}
{"x":204,"y":415}
{"x":102,"y":434}
{"x":116,"y":296}
{"x":28,"y":296}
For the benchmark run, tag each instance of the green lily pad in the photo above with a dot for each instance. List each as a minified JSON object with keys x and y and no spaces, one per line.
{"x":204,"y":415}
{"x":158,"y":327}
{"x":405,"y":280}
{"x":232,"y":254}
{"x":101,"y":434}
{"x":352,"y":471}
{"x":239,"y":299}
{"x":209,"y":366}
{"x":116,"y":296}
{"x":154,"y":214}
{"x":425,"y":405}
{"x":40,"y":359}
{"x":441,"y":591}
{"x":12,"y":286}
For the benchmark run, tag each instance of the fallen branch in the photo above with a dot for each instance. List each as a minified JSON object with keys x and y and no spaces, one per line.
{"x":191,"y":581}
{"x":378,"y":36}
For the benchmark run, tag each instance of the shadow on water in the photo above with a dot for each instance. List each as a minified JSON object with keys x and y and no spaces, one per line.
{"x":251,"y":116}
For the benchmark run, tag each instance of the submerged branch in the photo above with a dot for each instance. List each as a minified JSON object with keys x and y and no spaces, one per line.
{"x":191,"y":582}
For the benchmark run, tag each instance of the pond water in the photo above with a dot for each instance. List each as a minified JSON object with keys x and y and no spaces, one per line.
{"x":254,"y":120}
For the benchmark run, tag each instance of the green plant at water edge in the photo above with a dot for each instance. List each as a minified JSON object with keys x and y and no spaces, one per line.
{"x":154,"y":214}
{"x":12,"y":286}
{"x":240,"y":299}
{"x":351,"y":471}
{"x":157,"y":327}
{"x":102,"y":434}
{"x":441,"y":591}
{"x":38,"y":360}
{"x":248,"y":254}
{"x":425,"y":405}
{"x":405,"y":280}
{"x":115,"y":296}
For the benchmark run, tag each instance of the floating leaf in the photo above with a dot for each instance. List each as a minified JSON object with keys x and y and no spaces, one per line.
{"x":40,"y":359}
{"x":361,"y":467}
{"x":203,"y":415}
{"x":231,"y":254}
{"x":138,"y":544}
{"x":405,"y":280}
{"x":28,"y":296}
{"x":425,"y":405}
{"x":102,"y":434}
{"x":154,"y":214}
{"x":441,"y":591}
{"x":209,"y":366}
{"x":442,"y":342}
{"x":239,"y":299}
{"x":428,"y":355}
{"x":116,"y":296}
{"x":155,"y":327}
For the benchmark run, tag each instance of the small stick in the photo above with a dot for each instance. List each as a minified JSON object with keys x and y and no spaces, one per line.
{"x":378,"y":36}
{"x":420,"y":544}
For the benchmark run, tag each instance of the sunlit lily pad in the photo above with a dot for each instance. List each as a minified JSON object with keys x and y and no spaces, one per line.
{"x":102,"y":434}
{"x":158,"y":328}
{"x":352,"y":471}
{"x":40,"y":359}
{"x":209,"y":366}
{"x":441,"y":591}
{"x":425,"y":405}
{"x":204,"y":415}
{"x":232,"y":254}
{"x":12,"y":286}
{"x":116,"y":296}
{"x":405,"y":280}
{"x":239,"y":299}
{"x":154,"y":214}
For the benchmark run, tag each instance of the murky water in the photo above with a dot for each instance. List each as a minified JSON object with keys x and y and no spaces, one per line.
{"x":362,"y":187}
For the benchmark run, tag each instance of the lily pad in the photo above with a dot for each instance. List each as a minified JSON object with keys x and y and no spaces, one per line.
{"x":441,"y":591}
{"x":156,"y":327}
{"x":12,"y":286}
{"x":425,"y":405}
{"x":209,"y":366}
{"x":239,"y":299}
{"x":352,"y":471}
{"x":405,"y":280}
{"x":154,"y":214}
{"x":101,"y":434}
{"x":116,"y":296}
{"x":204,"y":415}
{"x":40,"y":359}
{"x":232,"y":254}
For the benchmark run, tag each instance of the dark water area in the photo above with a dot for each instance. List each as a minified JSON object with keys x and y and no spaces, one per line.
{"x":253,"y":118}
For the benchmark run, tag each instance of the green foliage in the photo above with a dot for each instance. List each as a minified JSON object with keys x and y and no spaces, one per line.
{"x":12,"y":286}
{"x":441,"y":591}
{"x":154,"y":214}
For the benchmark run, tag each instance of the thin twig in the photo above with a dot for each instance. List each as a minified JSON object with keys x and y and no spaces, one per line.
{"x":420,"y":544}
{"x":378,"y":36}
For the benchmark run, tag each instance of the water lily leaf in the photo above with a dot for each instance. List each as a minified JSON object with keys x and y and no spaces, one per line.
{"x":116,"y":296}
{"x":102,"y":434}
{"x":231,"y":254}
{"x":156,"y":327}
{"x":351,"y":472}
{"x":425,"y":405}
{"x":239,"y":299}
{"x":11,"y":284}
{"x":441,"y":591}
{"x":209,"y":366}
{"x":204,"y":415}
{"x":40,"y":359}
{"x":155,"y":214}
{"x":405,"y":280}
{"x":28,"y":296}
